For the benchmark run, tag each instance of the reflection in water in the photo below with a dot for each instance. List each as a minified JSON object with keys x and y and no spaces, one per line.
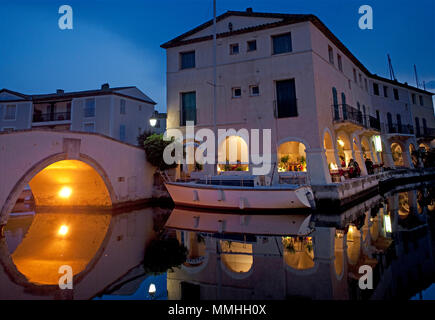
{"x":105,"y":251}
{"x":230,"y":256}
{"x":54,"y":240}
{"x":236,"y":261}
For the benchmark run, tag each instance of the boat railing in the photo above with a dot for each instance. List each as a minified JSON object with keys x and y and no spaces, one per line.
{"x":294,"y":177}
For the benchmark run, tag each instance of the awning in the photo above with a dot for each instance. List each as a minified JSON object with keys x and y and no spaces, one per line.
{"x":212,"y":222}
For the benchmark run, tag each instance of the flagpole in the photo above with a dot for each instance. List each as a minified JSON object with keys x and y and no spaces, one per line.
{"x":214,"y":88}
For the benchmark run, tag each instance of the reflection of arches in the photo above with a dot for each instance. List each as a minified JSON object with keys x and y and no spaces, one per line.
{"x":397,"y":154}
{"x":298,"y":252}
{"x":40,"y":166}
{"x":403,"y":206}
{"x":353,"y":245}
{"x":195,"y":244}
{"x":45,"y":248}
{"x":338,"y":252}
{"x":292,"y":156}
{"x":237,"y":257}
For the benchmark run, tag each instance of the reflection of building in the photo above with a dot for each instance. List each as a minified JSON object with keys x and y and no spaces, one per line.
{"x":121,"y":113}
{"x":322,"y":264}
{"x":291,"y":74}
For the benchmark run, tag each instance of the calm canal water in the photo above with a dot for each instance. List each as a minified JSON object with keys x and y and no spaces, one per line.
{"x":317,"y":255}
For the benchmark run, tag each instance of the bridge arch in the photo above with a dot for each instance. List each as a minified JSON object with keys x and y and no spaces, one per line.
{"x":44,"y":164}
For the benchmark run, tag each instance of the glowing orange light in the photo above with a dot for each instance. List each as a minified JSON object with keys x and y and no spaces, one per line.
{"x":63,"y":230}
{"x":65,"y":192}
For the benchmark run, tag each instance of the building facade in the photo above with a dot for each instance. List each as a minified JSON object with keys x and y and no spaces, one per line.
{"x":289,"y":73}
{"x":121,"y":113}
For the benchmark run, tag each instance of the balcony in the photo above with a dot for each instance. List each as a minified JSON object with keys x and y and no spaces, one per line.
{"x":426,"y":133}
{"x":345,"y":113}
{"x":54,"y":116}
{"x":391,"y":128}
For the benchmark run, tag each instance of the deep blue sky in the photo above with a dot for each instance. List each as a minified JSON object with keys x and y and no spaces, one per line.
{"x":119,"y":41}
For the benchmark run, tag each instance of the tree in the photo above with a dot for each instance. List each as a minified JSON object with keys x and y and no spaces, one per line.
{"x":164,"y":254}
{"x":154,"y":146}
{"x":142,"y":137}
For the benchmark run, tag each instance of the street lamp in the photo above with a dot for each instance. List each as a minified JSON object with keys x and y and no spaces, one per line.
{"x":153,"y":119}
{"x":152,"y":290}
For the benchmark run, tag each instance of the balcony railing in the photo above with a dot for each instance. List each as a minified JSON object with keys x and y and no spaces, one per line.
{"x":347,"y":113}
{"x":54,"y":116}
{"x":397,"y":128}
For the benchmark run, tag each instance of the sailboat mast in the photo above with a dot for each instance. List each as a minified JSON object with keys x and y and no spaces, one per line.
{"x":214,"y":87}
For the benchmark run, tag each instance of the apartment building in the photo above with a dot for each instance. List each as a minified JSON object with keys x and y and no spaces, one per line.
{"x":121,"y":113}
{"x":290,"y":73}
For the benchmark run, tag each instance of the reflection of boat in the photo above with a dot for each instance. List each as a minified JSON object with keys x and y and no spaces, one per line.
{"x":243,"y":194}
{"x":213,"y":222}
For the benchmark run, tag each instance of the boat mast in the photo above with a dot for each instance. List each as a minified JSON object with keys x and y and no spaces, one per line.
{"x":214,"y":89}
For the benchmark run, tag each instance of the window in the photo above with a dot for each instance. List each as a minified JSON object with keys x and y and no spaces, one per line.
{"x":350,"y":84}
{"x":354,"y":75}
{"x":399,"y":123}
{"x":89,"y":127}
{"x":424,"y":126}
{"x":8,"y":129}
{"x":89,"y":108}
{"x":237,"y":92}
{"x":188,"y":107}
{"x":340,"y":63}
{"x":385,"y":91}
{"x":252,"y":45}
{"x":396,"y":93}
{"x":140,"y":107}
{"x":255,"y":90}
{"x":366,"y":86}
{"x":378,"y":117}
{"x":234,"y":48}
{"x":122,"y":106}
{"x":417,"y":126}
{"x":68,"y":107}
{"x":282,"y":43}
{"x":421,"y":100}
{"x":286,"y":99}
{"x":10,"y":112}
{"x":375,"y":89}
{"x":139,"y":131}
{"x":413,"y":98}
{"x":390,"y":122}
{"x":331,"y":55}
{"x":335,"y":103}
{"x":187,"y":60}
{"x":122,"y":132}
{"x":360,"y":79}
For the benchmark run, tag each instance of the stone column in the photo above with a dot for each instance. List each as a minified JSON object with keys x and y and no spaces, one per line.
{"x":386,"y":150}
{"x":317,"y":167}
{"x":407,"y":159}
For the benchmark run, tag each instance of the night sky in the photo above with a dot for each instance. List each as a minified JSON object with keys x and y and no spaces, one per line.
{"x":119,"y":41}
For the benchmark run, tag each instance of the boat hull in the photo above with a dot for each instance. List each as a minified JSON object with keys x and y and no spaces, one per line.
{"x":238,"y":198}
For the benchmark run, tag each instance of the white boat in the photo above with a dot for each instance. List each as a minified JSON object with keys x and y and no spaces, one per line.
{"x":219,"y":193}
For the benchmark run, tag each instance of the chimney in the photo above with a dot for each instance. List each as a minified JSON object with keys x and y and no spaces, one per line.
{"x":249,"y":10}
{"x":60,"y":91}
{"x":105,"y":86}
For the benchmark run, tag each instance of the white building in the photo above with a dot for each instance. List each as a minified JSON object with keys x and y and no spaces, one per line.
{"x":288,"y":72}
{"x":121,"y":113}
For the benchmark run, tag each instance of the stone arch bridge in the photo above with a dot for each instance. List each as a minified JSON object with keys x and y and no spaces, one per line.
{"x":71,"y":169}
